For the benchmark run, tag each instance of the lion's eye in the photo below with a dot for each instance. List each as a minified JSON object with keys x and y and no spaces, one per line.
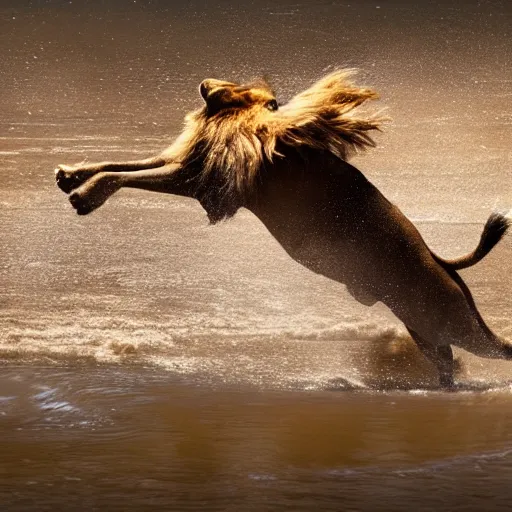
{"x":272,"y":105}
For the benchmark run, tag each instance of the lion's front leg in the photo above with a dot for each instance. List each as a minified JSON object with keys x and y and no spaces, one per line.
{"x":169,"y":179}
{"x":70,"y":177}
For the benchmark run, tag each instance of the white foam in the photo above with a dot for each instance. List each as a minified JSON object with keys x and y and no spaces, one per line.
{"x":349,"y":355}
{"x":107,"y":339}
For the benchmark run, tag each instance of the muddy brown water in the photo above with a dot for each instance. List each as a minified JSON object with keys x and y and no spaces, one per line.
{"x":113,"y":439}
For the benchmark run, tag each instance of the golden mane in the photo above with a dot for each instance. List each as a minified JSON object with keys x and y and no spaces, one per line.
{"x":229,"y":148}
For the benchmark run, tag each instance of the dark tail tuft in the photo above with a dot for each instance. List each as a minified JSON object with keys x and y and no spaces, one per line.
{"x":495,"y":227}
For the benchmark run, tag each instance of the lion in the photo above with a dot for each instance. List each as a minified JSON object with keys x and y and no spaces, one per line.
{"x":288,"y":165}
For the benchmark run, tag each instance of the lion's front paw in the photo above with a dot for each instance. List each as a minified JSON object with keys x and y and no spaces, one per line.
{"x":92,"y":194}
{"x":81,"y":203}
{"x":69,"y":178}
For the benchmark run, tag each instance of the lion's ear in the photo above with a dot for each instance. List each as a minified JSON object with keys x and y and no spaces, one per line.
{"x":263,"y":82}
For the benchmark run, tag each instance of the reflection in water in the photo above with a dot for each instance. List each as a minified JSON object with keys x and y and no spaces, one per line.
{"x":133,"y":440}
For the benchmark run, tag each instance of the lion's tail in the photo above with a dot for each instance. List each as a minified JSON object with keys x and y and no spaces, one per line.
{"x":494,"y":229}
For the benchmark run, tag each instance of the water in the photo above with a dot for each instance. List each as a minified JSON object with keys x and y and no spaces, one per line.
{"x":152,"y":361}
{"x":89,"y":439}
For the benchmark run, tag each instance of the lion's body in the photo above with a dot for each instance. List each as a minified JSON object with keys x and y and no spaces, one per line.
{"x":226,"y":153}
{"x":339,"y":225}
{"x":290,"y":170}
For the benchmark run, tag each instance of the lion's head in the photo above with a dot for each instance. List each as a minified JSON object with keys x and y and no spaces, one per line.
{"x":220,"y":96}
{"x":241,"y":128}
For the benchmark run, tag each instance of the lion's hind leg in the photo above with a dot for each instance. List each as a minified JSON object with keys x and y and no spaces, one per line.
{"x":70,"y":177}
{"x":440,"y":355}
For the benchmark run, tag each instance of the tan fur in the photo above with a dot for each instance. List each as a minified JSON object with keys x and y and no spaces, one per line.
{"x":233,"y":144}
